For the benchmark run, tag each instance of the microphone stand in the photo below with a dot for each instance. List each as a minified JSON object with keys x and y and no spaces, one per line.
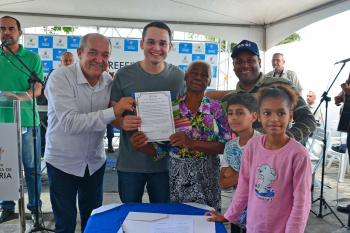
{"x":321,"y":197}
{"x":32,"y":80}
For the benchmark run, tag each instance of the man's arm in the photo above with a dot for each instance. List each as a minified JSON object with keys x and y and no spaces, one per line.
{"x":304,"y":121}
{"x":37,"y":90}
{"x":62,"y":98}
{"x":217,"y":95}
{"x":127,"y":122}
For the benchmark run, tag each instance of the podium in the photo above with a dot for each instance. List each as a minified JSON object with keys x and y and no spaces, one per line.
{"x":11,"y":175}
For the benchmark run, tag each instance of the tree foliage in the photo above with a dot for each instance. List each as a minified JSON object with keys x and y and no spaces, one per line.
{"x":294,"y":37}
{"x":289,"y":39}
{"x":208,"y":38}
{"x":67,"y":30}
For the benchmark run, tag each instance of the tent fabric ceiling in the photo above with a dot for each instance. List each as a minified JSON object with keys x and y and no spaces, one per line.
{"x":265,"y":22}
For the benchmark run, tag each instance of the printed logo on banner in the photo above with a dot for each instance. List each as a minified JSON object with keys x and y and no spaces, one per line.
{"x":59,"y":42}
{"x":185,"y":59}
{"x":35,"y":50}
{"x":198,"y":49}
{"x":211,"y":49}
{"x":47,"y":66}
{"x":215,"y":71}
{"x":211,"y":60}
{"x":73,"y":42}
{"x":5,"y":173}
{"x":198,"y":57}
{"x":30,"y":41}
{"x":45,"y":42}
{"x":183,"y":67}
{"x":175,"y":46}
{"x":117,"y":45}
{"x":185,"y":48}
{"x":1,"y":152}
{"x":45,"y":54}
{"x":57,"y":54}
{"x":130,"y":45}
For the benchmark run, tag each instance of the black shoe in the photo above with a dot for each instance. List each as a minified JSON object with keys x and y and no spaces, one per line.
{"x":40,"y":219}
{"x":111,"y":150}
{"x":343,"y":208}
{"x":5,"y":213}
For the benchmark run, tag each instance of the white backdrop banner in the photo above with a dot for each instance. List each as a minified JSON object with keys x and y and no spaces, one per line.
{"x":9,"y":176}
{"x":124,"y":52}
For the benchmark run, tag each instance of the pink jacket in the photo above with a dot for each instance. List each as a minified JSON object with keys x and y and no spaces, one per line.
{"x":276,"y":186}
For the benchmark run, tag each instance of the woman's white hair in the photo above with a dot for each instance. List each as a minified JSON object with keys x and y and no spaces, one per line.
{"x":210,"y":70}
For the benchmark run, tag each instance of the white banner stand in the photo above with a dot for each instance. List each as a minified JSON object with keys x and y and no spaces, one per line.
{"x":11,"y":175}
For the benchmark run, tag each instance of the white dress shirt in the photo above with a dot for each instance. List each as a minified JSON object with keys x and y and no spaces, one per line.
{"x":77,"y":119}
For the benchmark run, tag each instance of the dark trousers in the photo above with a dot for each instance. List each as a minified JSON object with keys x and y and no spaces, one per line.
{"x":131,"y":186}
{"x":64,"y":188}
{"x":348,"y":143}
{"x":237,"y":229}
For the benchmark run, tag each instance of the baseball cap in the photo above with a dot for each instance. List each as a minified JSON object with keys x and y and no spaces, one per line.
{"x":245,"y":45}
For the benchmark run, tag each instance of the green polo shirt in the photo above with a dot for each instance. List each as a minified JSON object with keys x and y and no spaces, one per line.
{"x":12,"y":79}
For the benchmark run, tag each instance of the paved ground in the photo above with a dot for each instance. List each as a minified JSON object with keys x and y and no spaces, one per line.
{"x":315,"y":224}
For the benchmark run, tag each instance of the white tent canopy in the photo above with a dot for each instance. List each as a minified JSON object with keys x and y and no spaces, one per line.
{"x":265,"y":22}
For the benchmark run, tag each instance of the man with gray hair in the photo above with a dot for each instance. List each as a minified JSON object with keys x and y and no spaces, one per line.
{"x":310,"y":99}
{"x":67,"y":58}
{"x":78,"y":111}
{"x":279,"y":71}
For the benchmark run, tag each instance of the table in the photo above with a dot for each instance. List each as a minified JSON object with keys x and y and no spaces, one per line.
{"x":109,"y":221}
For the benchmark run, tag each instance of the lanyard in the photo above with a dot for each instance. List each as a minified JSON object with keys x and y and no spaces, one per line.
{"x":273,"y":75}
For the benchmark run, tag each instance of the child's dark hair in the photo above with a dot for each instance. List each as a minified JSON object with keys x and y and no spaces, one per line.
{"x":278,"y":91}
{"x":245,"y":99}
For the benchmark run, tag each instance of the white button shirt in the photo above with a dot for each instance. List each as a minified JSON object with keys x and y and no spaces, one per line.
{"x":77,"y":119}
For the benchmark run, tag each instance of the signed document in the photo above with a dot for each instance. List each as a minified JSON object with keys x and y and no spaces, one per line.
{"x":156,"y":112}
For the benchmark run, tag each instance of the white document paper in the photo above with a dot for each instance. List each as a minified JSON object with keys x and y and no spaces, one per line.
{"x":173,"y":225}
{"x":137,"y":222}
{"x":156,"y":112}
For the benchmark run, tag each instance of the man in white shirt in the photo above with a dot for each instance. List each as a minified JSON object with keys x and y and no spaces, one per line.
{"x":78,"y":99}
{"x":279,"y":71}
{"x":310,"y":99}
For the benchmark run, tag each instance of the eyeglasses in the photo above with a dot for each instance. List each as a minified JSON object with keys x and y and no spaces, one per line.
{"x":277,"y":60}
{"x":11,"y":29}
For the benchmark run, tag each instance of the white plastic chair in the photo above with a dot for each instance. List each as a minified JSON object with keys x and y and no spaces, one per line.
{"x":316,"y":153}
{"x":316,"y":146}
{"x":332,"y":155}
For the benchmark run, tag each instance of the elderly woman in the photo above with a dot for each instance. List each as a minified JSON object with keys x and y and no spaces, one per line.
{"x":201,"y":133}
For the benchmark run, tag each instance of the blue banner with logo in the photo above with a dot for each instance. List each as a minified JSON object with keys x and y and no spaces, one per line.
{"x":185,"y":48}
{"x":198,"y":57}
{"x":73,"y":42}
{"x":35,"y":50}
{"x":57,"y":54}
{"x":215,"y":71}
{"x":45,"y":41}
{"x":183,"y":67}
{"x":131,"y":45}
{"x":47,"y":66}
{"x":211,"y":49}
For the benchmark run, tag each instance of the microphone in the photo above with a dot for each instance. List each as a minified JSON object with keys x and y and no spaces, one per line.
{"x":342,"y":61}
{"x":273,"y":71}
{"x":5,"y":42}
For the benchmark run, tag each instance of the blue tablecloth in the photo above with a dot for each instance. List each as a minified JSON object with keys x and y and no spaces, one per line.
{"x":109,"y":221}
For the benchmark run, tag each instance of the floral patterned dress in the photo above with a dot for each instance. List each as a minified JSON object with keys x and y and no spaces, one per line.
{"x":194,"y":175}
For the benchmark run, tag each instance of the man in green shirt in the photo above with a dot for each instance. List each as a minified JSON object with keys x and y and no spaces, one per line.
{"x":16,"y":79}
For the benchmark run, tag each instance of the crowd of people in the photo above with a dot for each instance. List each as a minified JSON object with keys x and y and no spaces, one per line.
{"x":265,"y":164}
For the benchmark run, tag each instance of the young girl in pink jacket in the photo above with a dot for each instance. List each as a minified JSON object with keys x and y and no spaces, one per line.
{"x":275,"y":177}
